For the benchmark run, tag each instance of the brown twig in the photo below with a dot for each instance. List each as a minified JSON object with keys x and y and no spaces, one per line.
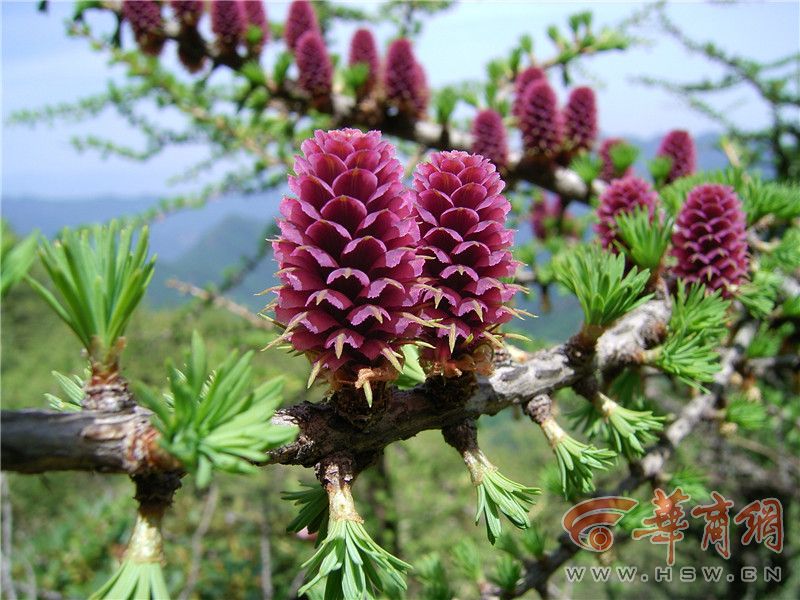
{"x":220,"y":302}
{"x":37,"y":441}
{"x":267,"y":589}
{"x":209,"y":506}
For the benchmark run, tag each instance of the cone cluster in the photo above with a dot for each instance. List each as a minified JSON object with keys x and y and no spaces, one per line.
{"x":256,"y":16}
{"x":609,"y":171}
{"x":364,"y":50}
{"x":228,"y":24}
{"x":580,"y":120}
{"x":367,"y":265}
{"x":540,"y":120}
{"x":546,"y":130}
{"x":301,"y":18}
{"x":521,"y":83}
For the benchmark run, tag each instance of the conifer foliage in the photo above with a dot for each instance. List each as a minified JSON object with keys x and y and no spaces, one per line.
{"x":399,"y":279}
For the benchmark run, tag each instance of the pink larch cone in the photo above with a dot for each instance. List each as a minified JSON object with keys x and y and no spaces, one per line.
{"x":608,"y":171}
{"x":314,"y":65}
{"x":256,"y":16}
{"x":679,"y":146}
{"x":404,"y":80}
{"x":489,"y":137}
{"x":580,"y":120}
{"x":465,"y":243}
{"x":228,"y":24}
{"x":301,"y":18}
{"x":363,"y":50}
{"x":191,"y":46}
{"x":147,"y":24}
{"x":346,"y":254}
{"x":540,"y":120}
{"x":621,"y":196}
{"x":709,"y":241}
{"x":188,"y":12}
{"x":521,"y":83}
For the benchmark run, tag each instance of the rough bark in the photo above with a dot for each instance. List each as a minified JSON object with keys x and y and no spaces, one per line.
{"x":35,"y":441}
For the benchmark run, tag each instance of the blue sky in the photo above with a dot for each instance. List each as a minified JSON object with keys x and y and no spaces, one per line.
{"x":41,"y":65}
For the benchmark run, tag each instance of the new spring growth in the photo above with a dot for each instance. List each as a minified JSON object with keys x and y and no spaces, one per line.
{"x":99,"y":276}
{"x":625,"y":430}
{"x":576,"y":460}
{"x":140,"y":575}
{"x":348,"y":563}
{"x":603,"y":287}
{"x":213,"y":419}
{"x":644,"y":238}
{"x":496,"y":493}
{"x":696,"y":329}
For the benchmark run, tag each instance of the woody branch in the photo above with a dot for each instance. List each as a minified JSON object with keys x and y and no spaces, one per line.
{"x":36,"y":441}
{"x":650,"y":467}
{"x":346,"y":112}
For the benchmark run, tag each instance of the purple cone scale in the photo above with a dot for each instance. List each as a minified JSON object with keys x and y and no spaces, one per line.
{"x":364,"y":50}
{"x":346,"y":256}
{"x":608,"y":171}
{"x":521,"y":83}
{"x":404,"y":80}
{"x":679,"y":146}
{"x":314,"y":65}
{"x":148,"y":27}
{"x":461,"y":213}
{"x":540,"y":120}
{"x":709,"y":242}
{"x":622,"y":196}
{"x":301,"y":18}
{"x":580,"y":120}
{"x":256,"y":16}
{"x":489,"y":137}
{"x":228,"y":24}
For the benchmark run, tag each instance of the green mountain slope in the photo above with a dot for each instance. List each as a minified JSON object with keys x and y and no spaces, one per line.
{"x":216,"y":251}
